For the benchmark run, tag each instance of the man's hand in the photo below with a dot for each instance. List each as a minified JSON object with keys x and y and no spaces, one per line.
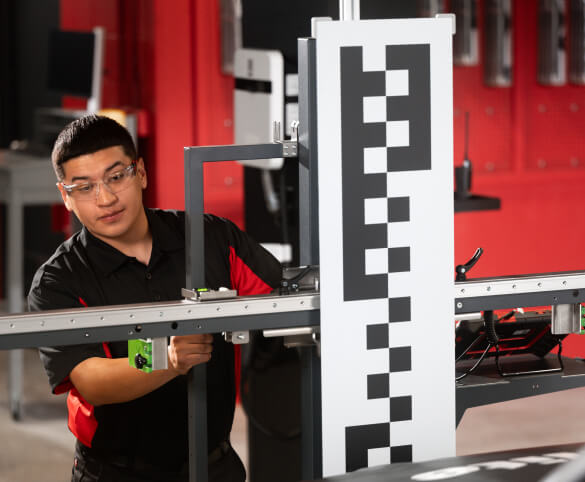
{"x":189,"y":350}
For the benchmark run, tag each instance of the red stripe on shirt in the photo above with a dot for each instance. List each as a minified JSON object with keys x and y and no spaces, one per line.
{"x":244,"y":279}
{"x":81,"y":419}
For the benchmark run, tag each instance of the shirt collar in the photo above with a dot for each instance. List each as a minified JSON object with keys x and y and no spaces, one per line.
{"x":164,"y":237}
{"x":108,"y":259}
{"x":105,"y":258}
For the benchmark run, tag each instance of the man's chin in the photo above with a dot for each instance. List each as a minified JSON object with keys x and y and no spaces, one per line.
{"x":108,"y":231}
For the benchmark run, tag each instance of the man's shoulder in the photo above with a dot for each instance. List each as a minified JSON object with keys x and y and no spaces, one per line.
{"x":67,"y":259}
{"x":219,"y":224}
{"x":168,"y":216}
{"x":68,"y":253}
{"x":215,"y":226}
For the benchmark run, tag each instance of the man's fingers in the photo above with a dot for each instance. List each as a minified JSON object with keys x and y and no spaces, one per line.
{"x":194,"y":348}
{"x":186,"y":351}
{"x":189,"y":339}
{"x":196,"y":358}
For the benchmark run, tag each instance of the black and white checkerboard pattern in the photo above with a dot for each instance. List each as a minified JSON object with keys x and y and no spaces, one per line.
{"x":385,"y":129}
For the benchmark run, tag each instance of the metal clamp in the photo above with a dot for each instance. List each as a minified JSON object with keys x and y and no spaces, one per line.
{"x":289,"y":147}
{"x":565,"y":319}
{"x":296,"y":337}
{"x":237,"y":337}
{"x":208,"y":295}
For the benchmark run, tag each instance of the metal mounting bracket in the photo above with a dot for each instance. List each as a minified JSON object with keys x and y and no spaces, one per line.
{"x":289,"y":147}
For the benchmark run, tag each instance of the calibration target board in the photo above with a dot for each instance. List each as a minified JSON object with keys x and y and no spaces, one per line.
{"x":385,"y":150}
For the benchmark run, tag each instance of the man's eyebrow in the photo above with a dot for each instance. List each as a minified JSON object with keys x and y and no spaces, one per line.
{"x":108,"y":169}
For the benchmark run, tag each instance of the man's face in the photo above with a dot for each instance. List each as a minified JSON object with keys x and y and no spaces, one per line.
{"x":109,"y":216}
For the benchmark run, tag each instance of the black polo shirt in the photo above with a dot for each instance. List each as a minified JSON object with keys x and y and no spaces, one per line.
{"x":85,"y":271}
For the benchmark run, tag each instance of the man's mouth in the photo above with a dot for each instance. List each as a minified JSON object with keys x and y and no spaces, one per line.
{"x":112,"y":216}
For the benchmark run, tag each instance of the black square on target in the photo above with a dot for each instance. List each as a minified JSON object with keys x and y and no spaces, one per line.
{"x":400,"y":359}
{"x":378,"y":386}
{"x":398,"y":209}
{"x":399,"y":309}
{"x":400,"y":409}
{"x":377,"y":336}
{"x":401,"y":453}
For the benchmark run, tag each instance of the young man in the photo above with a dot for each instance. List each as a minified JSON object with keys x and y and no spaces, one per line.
{"x":132,"y":425}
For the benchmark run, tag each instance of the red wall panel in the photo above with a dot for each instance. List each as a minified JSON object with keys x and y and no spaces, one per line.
{"x":529,"y":152}
{"x":490,"y":121}
{"x":224,"y":191}
{"x":173,"y":119}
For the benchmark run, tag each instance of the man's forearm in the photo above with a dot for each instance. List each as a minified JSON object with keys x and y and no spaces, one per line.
{"x":102,"y":381}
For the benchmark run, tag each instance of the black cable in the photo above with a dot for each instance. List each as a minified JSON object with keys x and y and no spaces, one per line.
{"x":301,"y":275}
{"x":492,"y":338}
{"x":471,"y":345}
{"x":472,"y":369}
{"x":490,"y":327}
{"x":507,"y":316}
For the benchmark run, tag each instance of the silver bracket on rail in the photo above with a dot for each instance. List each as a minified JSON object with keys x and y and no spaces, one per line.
{"x":297,"y":337}
{"x":237,"y":337}
{"x":208,"y":295}
{"x":289,"y":147}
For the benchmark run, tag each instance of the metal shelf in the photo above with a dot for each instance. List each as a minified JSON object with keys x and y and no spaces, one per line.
{"x":486,"y":385}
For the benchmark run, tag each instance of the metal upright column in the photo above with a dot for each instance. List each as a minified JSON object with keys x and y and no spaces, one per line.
{"x":349,"y":9}
{"x":309,"y":254}
{"x":195,"y":269}
{"x":15,"y":291}
{"x":195,"y":260}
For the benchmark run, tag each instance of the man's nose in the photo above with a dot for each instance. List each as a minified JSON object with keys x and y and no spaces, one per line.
{"x":104,"y":196}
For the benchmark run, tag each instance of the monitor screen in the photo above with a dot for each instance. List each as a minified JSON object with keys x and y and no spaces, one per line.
{"x":70,"y":62}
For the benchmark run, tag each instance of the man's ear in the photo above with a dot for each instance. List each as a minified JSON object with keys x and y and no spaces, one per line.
{"x":141,"y":172}
{"x":65,"y":197}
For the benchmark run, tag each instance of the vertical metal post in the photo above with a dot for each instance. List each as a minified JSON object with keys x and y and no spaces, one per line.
{"x":195,"y":270}
{"x":15,"y":271}
{"x":311,"y":439}
{"x":308,"y":195}
{"x":349,"y":9}
{"x":311,"y":452}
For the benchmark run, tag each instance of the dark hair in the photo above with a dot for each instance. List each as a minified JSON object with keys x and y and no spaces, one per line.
{"x":87,"y":135}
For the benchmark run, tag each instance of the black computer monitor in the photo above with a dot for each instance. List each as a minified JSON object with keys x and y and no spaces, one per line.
{"x":75,"y":64}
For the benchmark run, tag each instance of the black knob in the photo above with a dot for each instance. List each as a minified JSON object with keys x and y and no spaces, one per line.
{"x":140,"y":361}
{"x":462,"y":269}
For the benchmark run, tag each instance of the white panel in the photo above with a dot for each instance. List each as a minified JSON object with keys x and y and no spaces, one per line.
{"x":378,"y":457}
{"x":397,"y":82}
{"x":397,"y":133}
{"x":291,"y":83}
{"x":428,"y":234}
{"x":401,"y":383}
{"x":376,"y":210}
{"x":374,"y":160}
{"x":374,"y":58}
{"x":401,"y":334}
{"x":399,"y":234}
{"x":376,"y":361}
{"x":256,"y":112}
{"x":376,"y":261}
{"x":375,"y":109}
{"x":401,"y":433}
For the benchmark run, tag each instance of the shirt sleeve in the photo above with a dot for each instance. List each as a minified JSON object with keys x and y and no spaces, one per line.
{"x":253,"y":270}
{"x":49,"y":292}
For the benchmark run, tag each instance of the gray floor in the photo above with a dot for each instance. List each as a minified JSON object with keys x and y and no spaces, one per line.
{"x":39,"y":448}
